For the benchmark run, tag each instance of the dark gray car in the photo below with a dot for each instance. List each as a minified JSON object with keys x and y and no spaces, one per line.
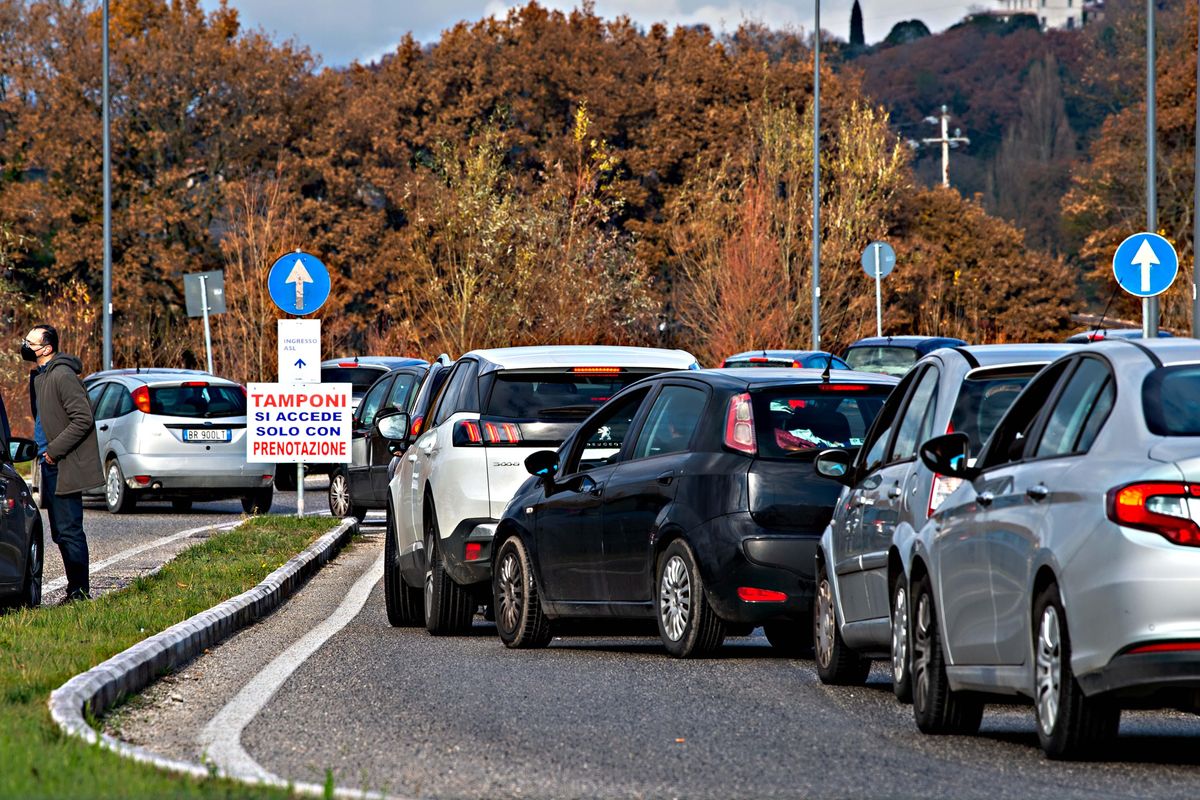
{"x":861,"y":608}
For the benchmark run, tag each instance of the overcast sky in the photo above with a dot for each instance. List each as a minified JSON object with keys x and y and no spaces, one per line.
{"x":341,"y":31}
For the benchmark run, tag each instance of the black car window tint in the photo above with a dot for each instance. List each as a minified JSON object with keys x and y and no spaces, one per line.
{"x":1009,"y":441}
{"x":1169,"y":401}
{"x":1066,"y":423}
{"x":94,"y":394}
{"x":918,"y":418}
{"x":671,"y":422}
{"x":402,"y":394}
{"x":124,"y":402}
{"x":468,"y":393}
{"x":372,"y":403}
{"x":107,"y":407}
{"x":449,"y":393}
{"x":602,"y":438}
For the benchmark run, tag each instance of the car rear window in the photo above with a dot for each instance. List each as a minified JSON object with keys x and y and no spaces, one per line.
{"x":886,"y":359}
{"x":982,"y":402}
{"x":1170,"y":401}
{"x":201,"y":401}
{"x":808,"y":418}
{"x":553,"y":396}
{"x":758,"y":361}
{"x":360,"y":378}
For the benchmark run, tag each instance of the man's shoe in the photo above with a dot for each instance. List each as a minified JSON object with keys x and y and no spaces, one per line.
{"x":74,"y":597}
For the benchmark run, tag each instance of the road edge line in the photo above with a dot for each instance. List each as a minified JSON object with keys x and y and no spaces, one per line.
{"x":135,"y":668}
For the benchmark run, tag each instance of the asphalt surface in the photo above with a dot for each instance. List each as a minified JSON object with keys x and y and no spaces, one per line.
{"x":412,"y":715}
{"x":110,"y":536}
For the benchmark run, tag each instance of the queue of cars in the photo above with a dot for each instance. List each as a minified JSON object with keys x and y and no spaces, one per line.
{"x":1002,"y":523}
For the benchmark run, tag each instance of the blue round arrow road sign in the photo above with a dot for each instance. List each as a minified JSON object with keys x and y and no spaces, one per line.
{"x":1145,"y":264}
{"x":299,"y":283}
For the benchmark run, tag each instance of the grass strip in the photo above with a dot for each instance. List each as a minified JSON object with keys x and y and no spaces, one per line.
{"x":42,"y":648}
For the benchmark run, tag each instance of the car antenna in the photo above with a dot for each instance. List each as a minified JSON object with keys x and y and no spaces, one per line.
{"x":828,"y":367}
{"x":1100,"y":324}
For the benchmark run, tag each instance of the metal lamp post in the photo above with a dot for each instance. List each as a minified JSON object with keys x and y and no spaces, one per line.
{"x":816,"y":191}
{"x":107,"y":311}
{"x":1150,"y":304}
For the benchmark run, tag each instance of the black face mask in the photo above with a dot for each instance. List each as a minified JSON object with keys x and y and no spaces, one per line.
{"x":27,"y":353}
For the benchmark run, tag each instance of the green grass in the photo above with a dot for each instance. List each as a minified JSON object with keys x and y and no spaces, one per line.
{"x":43,"y":648}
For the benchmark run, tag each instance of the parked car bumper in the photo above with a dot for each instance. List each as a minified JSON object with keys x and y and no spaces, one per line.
{"x":168,"y":473}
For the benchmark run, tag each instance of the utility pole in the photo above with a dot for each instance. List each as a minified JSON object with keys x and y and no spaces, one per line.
{"x":816,"y":190}
{"x":946,"y":141}
{"x":107,"y":158}
{"x":1196,"y":211}
{"x":1150,"y":304}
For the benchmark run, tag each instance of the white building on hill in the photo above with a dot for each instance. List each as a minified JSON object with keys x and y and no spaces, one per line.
{"x":1065,"y":14}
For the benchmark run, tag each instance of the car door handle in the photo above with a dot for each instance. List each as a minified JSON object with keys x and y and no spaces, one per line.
{"x":895,"y":491}
{"x":103,"y":428}
{"x":666,"y":478}
{"x":985,"y":498}
{"x":1037,"y":493}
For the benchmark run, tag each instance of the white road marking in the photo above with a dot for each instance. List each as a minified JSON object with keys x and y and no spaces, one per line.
{"x":97,"y":567}
{"x":221,"y":738}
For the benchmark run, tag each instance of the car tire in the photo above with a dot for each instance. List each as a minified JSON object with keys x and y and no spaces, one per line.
{"x":285,"y":477}
{"x":258,"y":502}
{"x":520,"y":620}
{"x":901,"y":638}
{"x":341,"y":502}
{"x":792,"y":639}
{"x":402,"y":601}
{"x":1070,"y":724}
{"x":31,"y":583}
{"x":181,"y":506}
{"x":936,"y":707}
{"x":448,"y":607}
{"x":837,"y":664}
{"x":118,"y":497}
{"x":687,"y":623}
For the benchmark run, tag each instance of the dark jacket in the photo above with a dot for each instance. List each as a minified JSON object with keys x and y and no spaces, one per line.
{"x":67,"y":421}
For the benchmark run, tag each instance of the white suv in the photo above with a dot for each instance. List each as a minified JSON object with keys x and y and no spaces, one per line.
{"x":496,"y":408}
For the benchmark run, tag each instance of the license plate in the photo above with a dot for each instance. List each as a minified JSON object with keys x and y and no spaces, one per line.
{"x":207,"y":435}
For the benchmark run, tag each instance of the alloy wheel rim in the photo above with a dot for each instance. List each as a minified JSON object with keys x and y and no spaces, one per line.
{"x":512,"y":592}
{"x":339,"y":493}
{"x":428,"y":583}
{"x":922,"y":650}
{"x":900,"y":636}
{"x":825,"y":623}
{"x":675,"y":598}
{"x":113,"y":487}
{"x":1049,"y":669}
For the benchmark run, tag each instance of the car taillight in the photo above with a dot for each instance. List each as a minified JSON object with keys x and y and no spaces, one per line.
{"x":414,"y":429}
{"x":739,"y":425}
{"x":474,"y":433}
{"x":141,"y":398}
{"x":943,"y":487}
{"x":1162,"y":507}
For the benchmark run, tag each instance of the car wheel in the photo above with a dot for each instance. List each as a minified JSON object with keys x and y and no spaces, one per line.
{"x":31,"y":586}
{"x":1070,"y":725}
{"x":837,"y":664}
{"x":688,"y":625}
{"x":182,"y":506}
{"x":792,"y":639}
{"x":901,"y":668}
{"x":117,"y":496}
{"x":520,"y":621}
{"x":285,"y":477}
{"x":448,"y":607}
{"x":341,"y":503}
{"x":402,"y":601}
{"x":258,"y":502}
{"x":936,"y":707}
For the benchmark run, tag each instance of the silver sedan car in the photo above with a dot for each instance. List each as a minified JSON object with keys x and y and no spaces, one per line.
{"x":1066,"y":567}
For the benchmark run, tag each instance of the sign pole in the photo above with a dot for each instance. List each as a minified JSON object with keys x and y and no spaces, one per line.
{"x":299,"y":491}
{"x":1150,"y":304}
{"x":878,"y":295}
{"x":207,"y":330}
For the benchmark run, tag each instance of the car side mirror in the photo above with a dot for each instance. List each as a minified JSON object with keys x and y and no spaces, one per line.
{"x":394,"y":428}
{"x":542,"y":464}
{"x":22,"y":450}
{"x":949,"y":455}
{"x":835,"y":464}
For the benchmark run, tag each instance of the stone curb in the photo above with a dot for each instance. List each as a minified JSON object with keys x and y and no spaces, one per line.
{"x":134,"y":669}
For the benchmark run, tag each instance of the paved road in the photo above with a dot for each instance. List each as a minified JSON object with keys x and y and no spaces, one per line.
{"x":400,"y":711}
{"x":120,"y":539}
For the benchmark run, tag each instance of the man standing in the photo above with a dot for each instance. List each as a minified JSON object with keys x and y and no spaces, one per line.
{"x":71,"y":459}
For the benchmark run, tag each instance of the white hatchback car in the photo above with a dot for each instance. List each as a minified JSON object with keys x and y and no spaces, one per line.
{"x":496,"y":408}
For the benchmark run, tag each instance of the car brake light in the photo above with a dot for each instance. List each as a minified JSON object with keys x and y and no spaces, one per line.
{"x":473,"y":551}
{"x":750,"y":594}
{"x":417,"y":423}
{"x":796,"y":365}
{"x":597,"y":370}
{"x":470,"y":432}
{"x":467,"y":432}
{"x":501,"y":433}
{"x":739,"y":425}
{"x":348,"y":364}
{"x":1165,"y":647}
{"x":195,"y":383}
{"x":1162,"y":507}
{"x":141,"y":399}
{"x":759,"y":360}
{"x":844,"y":387}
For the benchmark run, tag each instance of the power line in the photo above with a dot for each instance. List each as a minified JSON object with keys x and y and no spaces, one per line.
{"x":945,"y":140}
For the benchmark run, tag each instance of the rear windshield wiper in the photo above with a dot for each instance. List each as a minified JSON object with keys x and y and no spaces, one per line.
{"x":566,"y":411}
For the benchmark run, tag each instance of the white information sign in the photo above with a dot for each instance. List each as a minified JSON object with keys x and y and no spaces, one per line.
{"x":299,"y":351}
{"x":298,"y":423}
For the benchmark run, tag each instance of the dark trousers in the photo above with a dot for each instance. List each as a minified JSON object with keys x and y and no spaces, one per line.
{"x":66,"y":529}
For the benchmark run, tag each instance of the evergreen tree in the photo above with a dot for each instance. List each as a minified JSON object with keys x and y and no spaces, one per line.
{"x":857,"y":38}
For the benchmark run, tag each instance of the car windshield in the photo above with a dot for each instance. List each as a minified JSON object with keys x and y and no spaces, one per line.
{"x":886,"y":359}
{"x":982,"y":402}
{"x":199,"y":401}
{"x":553,"y":396}
{"x":1169,"y":401}
{"x":360,"y":378}
{"x":808,"y":418}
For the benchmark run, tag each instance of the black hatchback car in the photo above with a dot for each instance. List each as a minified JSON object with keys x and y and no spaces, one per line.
{"x":690,"y":498}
